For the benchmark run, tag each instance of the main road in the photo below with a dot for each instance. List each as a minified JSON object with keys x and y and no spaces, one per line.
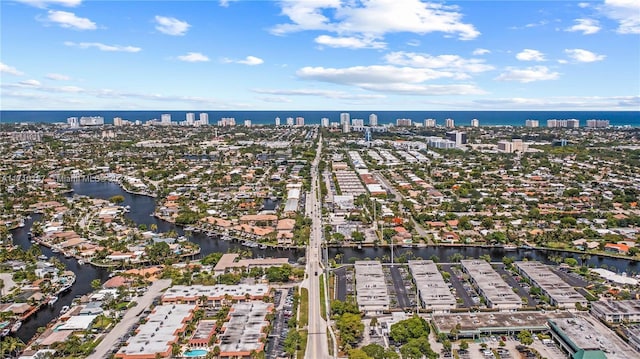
{"x":317,"y":347}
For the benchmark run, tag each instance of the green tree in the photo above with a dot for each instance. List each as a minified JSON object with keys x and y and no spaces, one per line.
{"x":464,"y":345}
{"x":117,"y":199}
{"x":96,"y":284}
{"x":525,"y":337}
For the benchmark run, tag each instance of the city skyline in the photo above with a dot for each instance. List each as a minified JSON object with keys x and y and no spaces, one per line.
{"x":329,"y":54}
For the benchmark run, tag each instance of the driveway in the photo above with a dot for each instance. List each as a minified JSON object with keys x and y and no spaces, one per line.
{"x":399,"y":288}
{"x":110,"y":341}
{"x":514,"y":284}
{"x":457,"y":284}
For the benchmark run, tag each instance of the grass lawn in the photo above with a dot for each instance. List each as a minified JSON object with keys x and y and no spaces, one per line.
{"x":304,"y":308}
{"x":323,"y":305}
{"x":303,"y":344}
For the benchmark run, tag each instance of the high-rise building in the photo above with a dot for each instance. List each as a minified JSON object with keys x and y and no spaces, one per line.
{"x":346,"y":127}
{"x":460,"y":138}
{"x":290,"y":121}
{"x":429,"y":122}
{"x":190,"y":118}
{"x":449,"y":123}
{"x":73,"y":122}
{"x":345,"y":118}
{"x":247,"y":123}
{"x":299,"y":121}
{"x":165,"y":119}
{"x":367,"y":135}
{"x":505,"y":146}
{"x":597,"y":123}
{"x":373,"y":119}
{"x":357,"y":122}
{"x":277,"y":121}
{"x":475,"y":123}
{"x":532,"y":123}
{"x":91,"y":121}
{"x":204,"y":118}
{"x":403,"y":122}
{"x":324,"y":122}
{"x":117,"y":121}
{"x":227,"y":121}
{"x":573,"y":123}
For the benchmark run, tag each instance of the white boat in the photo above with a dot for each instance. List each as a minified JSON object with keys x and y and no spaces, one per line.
{"x":510,"y":247}
{"x":21,"y":224}
{"x":53,"y":300}
{"x":182,"y":239}
{"x":5,"y":332}
{"x":263,"y":246}
{"x":226,"y":238}
{"x":16,"y":326}
{"x":81,"y":262}
{"x":42,"y":257}
{"x":64,"y":309}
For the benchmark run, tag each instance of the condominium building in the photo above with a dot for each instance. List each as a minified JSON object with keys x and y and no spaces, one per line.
{"x":434,"y":294}
{"x":299,"y":121}
{"x":373,"y":119}
{"x":449,"y":123}
{"x":558,"y":291}
{"x":371,"y":289}
{"x":460,"y":138}
{"x":597,"y":123}
{"x":165,"y":119}
{"x":277,"y":121}
{"x":495,"y":291}
{"x":617,"y":311}
{"x":532,"y":123}
{"x":475,"y":123}
{"x":429,"y":122}
{"x":204,"y":118}
{"x":345,"y":118}
{"x":403,"y":122}
{"x":324,"y":122}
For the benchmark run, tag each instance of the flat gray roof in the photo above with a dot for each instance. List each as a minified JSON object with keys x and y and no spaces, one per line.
{"x":371,"y":288}
{"x":160,"y":330}
{"x":587,"y":333}
{"x":433,"y":290}
{"x":243,"y":331}
{"x":491,"y":285}
{"x":612,"y":307}
{"x":194,"y":292}
{"x":553,"y":286}
{"x":485,"y":322}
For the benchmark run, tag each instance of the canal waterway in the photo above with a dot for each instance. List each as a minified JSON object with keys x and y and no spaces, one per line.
{"x":141,"y":212}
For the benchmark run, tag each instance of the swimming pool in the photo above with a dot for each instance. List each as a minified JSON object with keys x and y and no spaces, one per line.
{"x":196,"y":353}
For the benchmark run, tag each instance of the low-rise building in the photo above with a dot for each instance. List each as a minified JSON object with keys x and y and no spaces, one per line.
{"x":581,"y":337}
{"x":244,"y":331}
{"x":215,"y":294}
{"x":371,"y":290}
{"x":617,"y":311}
{"x":558,"y":291}
{"x":433,"y":292}
{"x":496,"y":292}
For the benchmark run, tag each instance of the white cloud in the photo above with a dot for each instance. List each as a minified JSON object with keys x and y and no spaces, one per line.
{"x":45,"y":3}
{"x":275,"y":99}
{"x":103,"y":47}
{"x":69,"y":20}
{"x":6,"y":69}
{"x":58,"y":77}
{"x":625,"y":12}
{"x":452,"y":63}
{"x":583,"y":5}
{"x":350,"y":42}
{"x":330,"y":94}
{"x":225,"y":3}
{"x":560,"y":103}
{"x":414,"y":42}
{"x":386,"y":78}
{"x":373,"y":19}
{"x":193,"y":57}
{"x":530,"y":55}
{"x":171,"y":25}
{"x":30,"y":83}
{"x":529,"y":74}
{"x":480,"y":51}
{"x":251,"y":61}
{"x":586,"y":26}
{"x":581,"y":55}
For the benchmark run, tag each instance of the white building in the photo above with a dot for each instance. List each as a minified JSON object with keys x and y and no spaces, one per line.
{"x":247,"y":123}
{"x":290,"y":121}
{"x":190,"y":118}
{"x":324,"y":122}
{"x":429,"y":122}
{"x":449,"y":123}
{"x":597,"y":123}
{"x":117,"y":121}
{"x":403,"y":122}
{"x":532,"y":123}
{"x":277,"y":121}
{"x":299,"y":121}
{"x":204,"y":118}
{"x":165,"y":119}
{"x":345,"y":118}
{"x":475,"y":123}
{"x":373,"y":119}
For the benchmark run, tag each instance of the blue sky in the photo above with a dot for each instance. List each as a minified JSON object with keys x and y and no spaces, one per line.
{"x":320,"y":55}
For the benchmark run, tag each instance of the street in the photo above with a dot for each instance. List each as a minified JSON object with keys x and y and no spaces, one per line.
{"x":317,"y":329}
{"x":110,"y":341}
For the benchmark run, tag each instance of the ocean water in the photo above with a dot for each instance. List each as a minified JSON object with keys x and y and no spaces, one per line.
{"x":462,"y":118}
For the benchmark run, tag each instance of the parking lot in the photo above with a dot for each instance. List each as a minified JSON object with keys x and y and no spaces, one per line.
{"x":399,"y":284}
{"x":275,"y":344}
{"x":463,"y":289}
{"x":523,"y":292}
